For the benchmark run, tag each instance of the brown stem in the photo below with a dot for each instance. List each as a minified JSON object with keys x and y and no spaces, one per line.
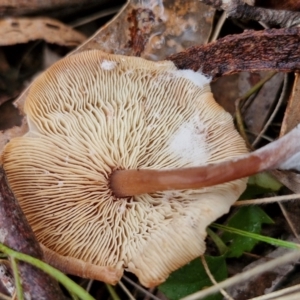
{"x":16,"y":233}
{"x":135,"y":182}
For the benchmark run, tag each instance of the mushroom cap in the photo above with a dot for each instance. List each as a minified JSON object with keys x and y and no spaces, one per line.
{"x":92,"y":113}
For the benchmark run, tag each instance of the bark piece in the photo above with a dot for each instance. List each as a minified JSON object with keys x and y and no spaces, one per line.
{"x":272,"y":49}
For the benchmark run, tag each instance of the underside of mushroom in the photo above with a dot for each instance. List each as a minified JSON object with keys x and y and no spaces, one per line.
{"x":93,"y":113}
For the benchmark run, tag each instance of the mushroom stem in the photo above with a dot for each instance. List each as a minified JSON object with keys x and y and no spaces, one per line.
{"x":126,"y":183}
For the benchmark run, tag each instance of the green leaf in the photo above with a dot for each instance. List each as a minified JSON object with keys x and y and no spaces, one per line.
{"x":192,"y":278}
{"x":260,"y":184}
{"x":266,"y":181}
{"x":258,"y":237}
{"x":249,"y":218}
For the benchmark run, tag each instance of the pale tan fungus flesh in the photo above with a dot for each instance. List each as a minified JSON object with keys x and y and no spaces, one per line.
{"x":92,"y":113}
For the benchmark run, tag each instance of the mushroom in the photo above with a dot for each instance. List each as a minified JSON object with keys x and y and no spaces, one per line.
{"x":93,"y":113}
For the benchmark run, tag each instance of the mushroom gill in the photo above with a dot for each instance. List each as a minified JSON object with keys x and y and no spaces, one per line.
{"x":92,"y":113}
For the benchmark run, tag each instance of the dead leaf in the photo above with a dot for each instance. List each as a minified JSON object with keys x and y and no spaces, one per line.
{"x":291,"y":116}
{"x":154,"y":30}
{"x":8,"y":134}
{"x":288,"y":178}
{"x":237,"y":85}
{"x":60,"y":7}
{"x":291,"y":119}
{"x":262,"y":106}
{"x":265,"y":282}
{"x":228,"y":84}
{"x":22,"y":30}
{"x":9,"y":116}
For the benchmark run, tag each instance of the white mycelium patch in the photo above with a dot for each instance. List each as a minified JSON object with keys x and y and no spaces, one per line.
{"x":189,"y":142}
{"x":108,"y":65}
{"x":196,"y":77}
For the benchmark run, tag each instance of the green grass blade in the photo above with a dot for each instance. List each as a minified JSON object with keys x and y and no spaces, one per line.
{"x":58,"y":275}
{"x":262,"y":238}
